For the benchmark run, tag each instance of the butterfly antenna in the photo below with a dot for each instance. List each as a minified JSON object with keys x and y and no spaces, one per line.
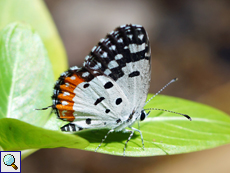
{"x":170,"y":112}
{"x":173,"y":80}
{"x":45,"y":108}
{"x":48,"y":108}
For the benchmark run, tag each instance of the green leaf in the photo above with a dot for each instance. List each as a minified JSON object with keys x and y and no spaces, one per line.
{"x":36,"y":14}
{"x":18,"y":135}
{"x":26,"y":77}
{"x":168,"y":133}
{"x":26,"y":80}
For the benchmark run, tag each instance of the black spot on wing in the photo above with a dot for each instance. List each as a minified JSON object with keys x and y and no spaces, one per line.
{"x":88,"y":121}
{"x":107,"y":111}
{"x":86,"y":85}
{"x":99,"y":100}
{"x":119,"y":120}
{"x":135,"y":73}
{"x":118,"y":101}
{"x":108,"y":85}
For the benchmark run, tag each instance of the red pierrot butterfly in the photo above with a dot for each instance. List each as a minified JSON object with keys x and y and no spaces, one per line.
{"x":110,"y":90}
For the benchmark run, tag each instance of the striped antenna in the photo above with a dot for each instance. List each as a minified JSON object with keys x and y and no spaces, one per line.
{"x":173,"y":80}
{"x":170,"y":112}
{"x":45,"y":108}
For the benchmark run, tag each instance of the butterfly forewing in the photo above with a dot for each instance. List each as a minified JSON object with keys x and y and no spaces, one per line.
{"x":124,"y":55}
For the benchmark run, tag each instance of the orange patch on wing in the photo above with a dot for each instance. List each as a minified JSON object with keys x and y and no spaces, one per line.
{"x":65,"y":107}
{"x":70,"y":86}
{"x":65,"y":112}
{"x":65,"y":97}
{"x":74,"y":79}
{"x":67,"y":115}
{"x":66,"y":88}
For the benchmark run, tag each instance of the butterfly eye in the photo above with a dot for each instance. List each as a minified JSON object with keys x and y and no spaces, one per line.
{"x":143,"y":115}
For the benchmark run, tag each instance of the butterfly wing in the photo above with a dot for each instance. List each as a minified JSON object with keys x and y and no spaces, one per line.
{"x":88,"y":100}
{"x":125,"y":56}
{"x":114,"y":78}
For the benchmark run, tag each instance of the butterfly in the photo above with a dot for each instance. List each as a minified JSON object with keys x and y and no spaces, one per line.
{"x":110,"y":90}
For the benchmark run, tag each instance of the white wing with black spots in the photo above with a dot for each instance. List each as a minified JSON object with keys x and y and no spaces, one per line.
{"x":125,"y":55}
{"x":110,"y":90}
{"x":103,"y":102}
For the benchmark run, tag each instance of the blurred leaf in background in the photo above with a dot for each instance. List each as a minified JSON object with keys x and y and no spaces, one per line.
{"x":26,"y":75}
{"x":36,"y":14}
{"x":26,"y":80}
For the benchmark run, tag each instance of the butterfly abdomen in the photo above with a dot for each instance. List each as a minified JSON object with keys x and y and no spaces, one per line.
{"x":71,"y":127}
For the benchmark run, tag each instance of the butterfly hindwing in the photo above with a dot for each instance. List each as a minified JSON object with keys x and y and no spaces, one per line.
{"x":102,"y":101}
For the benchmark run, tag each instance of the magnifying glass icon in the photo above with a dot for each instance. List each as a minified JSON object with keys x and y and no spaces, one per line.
{"x":9,"y":160}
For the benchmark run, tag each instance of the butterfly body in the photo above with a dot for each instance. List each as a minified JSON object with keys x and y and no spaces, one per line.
{"x":111,"y":88}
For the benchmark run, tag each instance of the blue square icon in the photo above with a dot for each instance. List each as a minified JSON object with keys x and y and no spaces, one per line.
{"x":10,"y":161}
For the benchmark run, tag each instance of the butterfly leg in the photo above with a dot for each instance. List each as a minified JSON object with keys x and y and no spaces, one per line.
{"x":141,"y":136}
{"x":138,"y":124}
{"x":130,"y":136}
{"x":104,"y":139}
